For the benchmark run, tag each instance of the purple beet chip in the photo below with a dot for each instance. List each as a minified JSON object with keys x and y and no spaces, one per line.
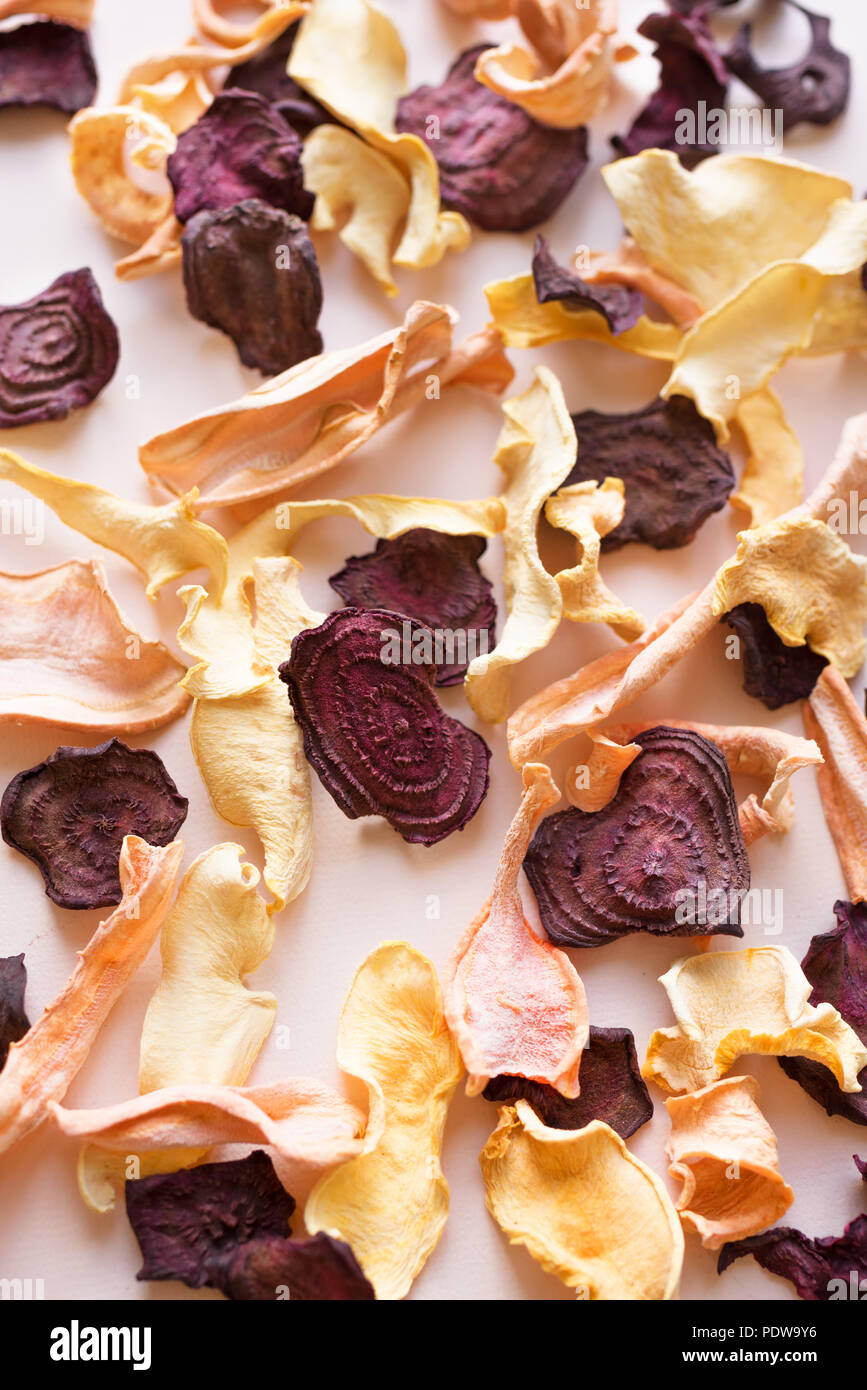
{"x":821,"y":1270}
{"x":674,"y":471}
{"x":620,"y":306}
{"x":836,"y":966}
{"x":57,"y":351}
{"x":815,"y":89}
{"x":46,"y":64}
{"x":70,"y":813}
{"x":773,"y":673}
{"x":612,"y":1088}
{"x":14,"y":1022}
{"x":861,"y":1165}
{"x":320,"y":1269}
{"x":665,"y":856}
{"x":361,"y":688}
{"x":266,"y":75}
{"x":435,"y":579}
{"x":499,"y":167}
{"x":240,"y":148}
{"x":190,"y":1224}
{"x":251,"y":271}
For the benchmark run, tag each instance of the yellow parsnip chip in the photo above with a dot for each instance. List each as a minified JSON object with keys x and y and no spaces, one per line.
{"x":584,"y":1206}
{"x":525,"y":323}
{"x":179,"y":99}
{"x":589,"y":511}
{"x":773,"y":480}
{"x":725,"y":1153}
{"x":390,"y":1203}
{"x":104,"y":140}
{"x":833,"y":719}
{"x":729,"y":1004}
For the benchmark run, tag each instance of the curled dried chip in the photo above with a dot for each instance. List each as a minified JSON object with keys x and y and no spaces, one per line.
{"x":514,"y":1003}
{"x":265,"y":73}
{"x":67,"y":657}
{"x":724,"y":1152}
{"x":773,"y":478}
{"x":836,"y":967}
{"x":251,"y":271}
{"x":834,"y":1267}
{"x":362,"y":691}
{"x":833,"y":719}
{"x":46,"y":64}
{"x":71,"y":813}
{"x":78,"y":12}
{"x":585,"y":1207}
{"x":730,"y":1004}
{"x":14,"y":1022}
{"x":498,"y":166}
{"x":41,"y":1067}
{"x":620,"y":306}
{"x":57,"y":351}
{"x":816,"y":89}
{"x":315,"y":1270}
{"x":178,"y":99}
{"x":106,"y":142}
{"x":773,"y":673}
{"x":239,"y":148}
{"x":390,"y":1203}
{"x":434,"y":578}
{"x":674,"y":472}
{"x":190,"y":1224}
{"x":665,"y":856}
{"x":525,"y":323}
{"x":611,"y":1088}
{"x":210,"y":20}
{"x":591,"y":785}
{"x":589,"y":511}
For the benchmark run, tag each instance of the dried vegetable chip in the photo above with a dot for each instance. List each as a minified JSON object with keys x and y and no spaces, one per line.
{"x":79,"y":12}
{"x":514,"y":1003}
{"x":46,"y":64}
{"x":611,"y":1088}
{"x":210,"y":20}
{"x":773,"y":673}
{"x":266,"y":74}
{"x":315,"y":1270}
{"x":178,"y":99}
{"x":816,"y":89}
{"x":822,"y":1270}
{"x":57,"y":351}
{"x":620,"y":306}
{"x":724,"y":1152}
{"x":833,"y":719}
{"x":525,"y":323}
{"x":67,"y":657}
{"x":71,"y":813}
{"x":658,"y":858}
{"x":773,"y":479}
{"x":14,"y":1022}
{"x":105,"y":143}
{"x":41,"y":1067}
{"x":390,"y":1203}
{"x":373,"y":730}
{"x":591,"y":785}
{"x":584,"y":1206}
{"x":861,"y":1165}
{"x":589,"y":512}
{"x":732,"y":1003}
{"x":628,"y":265}
{"x":498,"y":166}
{"x":251,"y":271}
{"x":434,"y":578}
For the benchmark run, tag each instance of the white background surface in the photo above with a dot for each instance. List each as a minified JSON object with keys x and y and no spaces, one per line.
{"x":368,"y":885}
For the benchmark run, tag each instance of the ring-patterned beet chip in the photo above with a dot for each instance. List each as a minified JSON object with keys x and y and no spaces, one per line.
{"x":499,"y":167}
{"x":14,"y":1022}
{"x":70,"y":813}
{"x":434,"y":578}
{"x":665,"y":856}
{"x":773,"y":673}
{"x":57,"y":351}
{"x":361,"y":687}
{"x":815,"y":89}
{"x":47,"y":64}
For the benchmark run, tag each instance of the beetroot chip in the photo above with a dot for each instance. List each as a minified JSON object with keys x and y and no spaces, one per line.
{"x":861,"y":1165}
{"x":773,"y":673}
{"x":251,"y":271}
{"x":665,"y":856}
{"x":240,"y":148}
{"x":691,"y":71}
{"x":836,"y":966}
{"x":499,"y":167}
{"x":266,"y":75}
{"x":620,"y":306}
{"x":612,"y":1088}
{"x":674,"y":472}
{"x":821,"y":1270}
{"x":70,"y":813}
{"x":57,"y":351}
{"x":361,"y":687}
{"x":320,"y":1269}
{"x":815,"y":90}
{"x":14,"y":1022}
{"x":46,"y":64}
{"x":435,"y":579}
{"x":190,"y":1224}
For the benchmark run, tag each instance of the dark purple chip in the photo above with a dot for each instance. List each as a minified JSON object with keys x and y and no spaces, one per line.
{"x":320,"y":1269}
{"x":57,"y":351}
{"x":499,"y":167}
{"x":46,"y":64}
{"x":361,"y":687}
{"x":266,"y":75}
{"x":620,"y":306}
{"x":821,"y":1270}
{"x":435,"y":579}
{"x":240,"y":148}
{"x":773,"y":673}
{"x":14,"y":1022}
{"x":70,"y":813}
{"x":861,"y":1165}
{"x":674,"y":472}
{"x":251,"y":271}
{"x":815,"y":89}
{"x":612,"y":1088}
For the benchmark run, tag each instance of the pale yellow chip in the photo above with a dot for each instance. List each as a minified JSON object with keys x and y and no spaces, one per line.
{"x":724,"y":1152}
{"x":210,"y":20}
{"x":773,"y":480}
{"x":589,"y":511}
{"x":585,"y":1207}
{"x":832,"y":717}
{"x":179,"y":99}
{"x":730,"y":1004}
{"x":525,"y":323}
{"x":390,"y":1203}
{"x":104,"y":140}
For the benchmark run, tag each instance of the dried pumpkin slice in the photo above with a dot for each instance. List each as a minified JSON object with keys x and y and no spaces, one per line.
{"x":104,"y":139}
{"x":833,"y":719}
